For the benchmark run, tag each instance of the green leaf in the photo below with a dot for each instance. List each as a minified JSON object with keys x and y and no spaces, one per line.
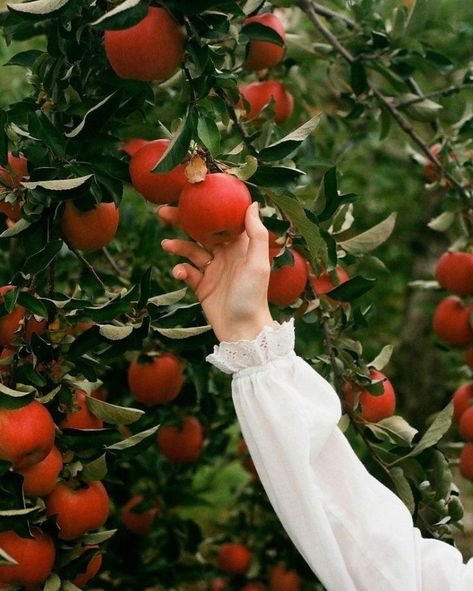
{"x":209,"y":134}
{"x":58,"y":185}
{"x":110,"y":413}
{"x":43,"y":258}
{"x":115,"y":333}
{"x":25,"y":59}
{"x":382,"y":359}
{"x":32,"y":304}
{"x":395,"y":430}
{"x":291,"y":207}
{"x":442,"y":222}
{"x":98,"y":537}
{"x":178,"y":148}
{"x":53,"y":583}
{"x":76,"y":131}
{"x":358,"y":79}
{"x":133,"y":440}
{"x":435,"y":432}
{"x":244,"y":171}
{"x":38,"y":7}
{"x":6,"y":558}
{"x":183,"y":333}
{"x":402,"y":487}
{"x":290,"y":142}
{"x":95,"y":470}
{"x":167,"y":299}
{"x":19,"y":393}
{"x":123,"y":16}
{"x":370,"y":239}
{"x":260,"y":32}
{"x":351,"y":289}
{"x":19,"y":227}
{"x":276,"y":176}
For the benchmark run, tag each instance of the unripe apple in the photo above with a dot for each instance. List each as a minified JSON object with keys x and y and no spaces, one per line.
{"x":466,"y":461}
{"x":182,"y":444}
{"x":462,"y":400}
{"x":137,"y":523}
{"x":374,"y":408}
{"x":234,"y":558}
{"x":454,"y":272}
{"x":80,"y":417}
{"x":259,"y":94}
{"x":282,"y":579}
{"x":286,"y":283}
{"x":158,"y":381}
{"x":149,"y":50}
{"x":264,"y":54}
{"x":451,"y":321}
{"x":26,"y":434}
{"x":213,"y":211}
{"x":92,"y":229}
{"x":163,"y":187}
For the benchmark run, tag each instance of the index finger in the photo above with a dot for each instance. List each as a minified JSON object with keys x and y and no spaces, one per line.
{"x":169,"y":215}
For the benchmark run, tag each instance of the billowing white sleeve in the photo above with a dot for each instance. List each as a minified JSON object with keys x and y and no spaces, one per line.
{"x":355,"y":534}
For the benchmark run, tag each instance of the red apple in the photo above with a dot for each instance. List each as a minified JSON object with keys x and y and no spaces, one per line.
{"x":182,"y":444}
{"x":259,"y":94}
{"x":213,"y":211}
{"x":462,"y":400}
{"x":374,"y":408}
{"x":454,"y":272}
{"x":287,"y":283}
{"x":451,"y":321}
{"x":264,"y":54}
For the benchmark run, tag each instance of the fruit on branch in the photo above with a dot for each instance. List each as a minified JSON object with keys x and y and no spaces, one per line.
{"x":323,"y":283}
{"x":466,"y":461}
{"x":182,"y":444}
{"x":10,"y":322}
{"x":462,"y":400}
{"x":158,"y":381}
{"x":451,"y":321}
{"x":26,"y":434}
{"x":92,"y":229}
{"x":234,"y":558}
{"x":254,"y":587}
{"x":246,"y":460}
{"x":93,"y":567}
{"x":454,"y":272}
{"x":138,"y":523}
{"x":265,"y":54}
{"x":132,"y":146}
{"x":260,"y":94}
{"x":218,"y":585}
{"x":213,"y":211}
{"x":374,"y":408}
{"x":40,"y":478}
{"x":286,"y":283}
{"x":12,"y":178}
{"x":80,"y":417}
{"x":163,"y":187}
{"x":79,"y":509}
{"x":150,"y":50}
{"x":34,"y":326}
{"x":35,"y":557}
{"x":282,"y":579}
{"x":466,"y":424}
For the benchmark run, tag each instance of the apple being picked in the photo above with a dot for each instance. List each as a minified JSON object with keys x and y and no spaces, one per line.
{"x":212,"y":211}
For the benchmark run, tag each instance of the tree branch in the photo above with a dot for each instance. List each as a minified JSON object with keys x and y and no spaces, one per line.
{"x":429,"y":95}
{"x":319,"y":9}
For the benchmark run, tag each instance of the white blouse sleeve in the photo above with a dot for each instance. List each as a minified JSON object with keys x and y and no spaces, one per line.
{"x":355,"y":534}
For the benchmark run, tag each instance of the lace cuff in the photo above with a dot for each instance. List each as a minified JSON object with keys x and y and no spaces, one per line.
{"x":271,"y":343}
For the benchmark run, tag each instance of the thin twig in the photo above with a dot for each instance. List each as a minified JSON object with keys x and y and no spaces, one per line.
{"x":331,"y":14}
{"x":429,"y":95}
{"x":403,"y":123}
{"x":87,"y":265}
{"x":112,"y":261}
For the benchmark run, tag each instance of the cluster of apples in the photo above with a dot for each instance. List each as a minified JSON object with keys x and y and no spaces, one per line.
{"x":234,"y":558}
{"x":84,"y":230}
{"x":451,"y":322}
{"x":153,"y":49}
{"x":27,"y":440}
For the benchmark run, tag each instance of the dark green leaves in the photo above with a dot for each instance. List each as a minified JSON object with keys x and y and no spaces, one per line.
{"x":209,"y":134}
{"x":351,"y":289}
{"x":358,"y":80}
{"x":178,"y":147}
{"x":123,"y":16}
{"x":42,"y":259}
{"x":259,"y":32}
{"x":290,"y":142}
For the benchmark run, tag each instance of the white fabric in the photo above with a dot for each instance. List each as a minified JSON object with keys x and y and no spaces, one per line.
{"x":354,"y":533}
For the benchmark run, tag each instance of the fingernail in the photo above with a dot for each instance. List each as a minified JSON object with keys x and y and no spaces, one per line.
{"x":163,"y":241}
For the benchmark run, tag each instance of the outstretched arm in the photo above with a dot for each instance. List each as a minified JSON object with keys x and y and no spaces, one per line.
{"x":354,"y":532}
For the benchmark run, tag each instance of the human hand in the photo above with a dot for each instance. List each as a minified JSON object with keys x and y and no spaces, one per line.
{"x":232,"y":281}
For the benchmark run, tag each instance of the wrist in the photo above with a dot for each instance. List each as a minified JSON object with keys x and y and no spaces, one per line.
{"x":247,"y":330}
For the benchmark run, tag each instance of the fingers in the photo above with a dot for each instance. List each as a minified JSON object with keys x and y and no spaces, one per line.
{"x":258,"y":235}
{"x":169,"y":215}
{"x":190,"y":250}
{"x":189,"y":274}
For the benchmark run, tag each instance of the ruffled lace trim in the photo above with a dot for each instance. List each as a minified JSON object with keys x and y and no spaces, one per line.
{"x":271,"y":343}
